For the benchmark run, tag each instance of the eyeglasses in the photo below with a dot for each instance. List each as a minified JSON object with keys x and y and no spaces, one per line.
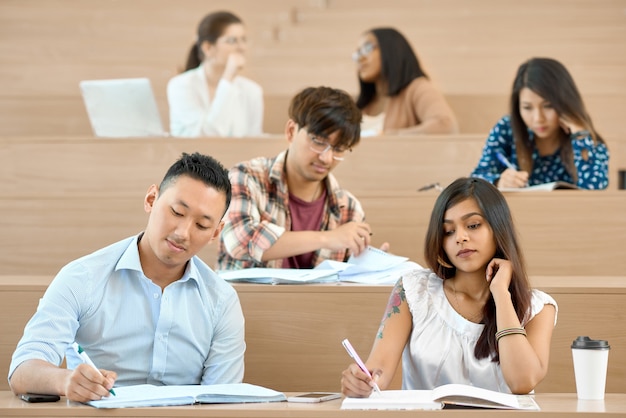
{"x":233,"y":40}
{"x":320,"y":147}
{"x":364,"y":51}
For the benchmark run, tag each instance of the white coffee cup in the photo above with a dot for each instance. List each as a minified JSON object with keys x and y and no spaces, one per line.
{"x":591,"y":358}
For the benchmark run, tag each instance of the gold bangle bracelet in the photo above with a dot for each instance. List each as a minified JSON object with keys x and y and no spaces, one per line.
{"x":510,"y":331}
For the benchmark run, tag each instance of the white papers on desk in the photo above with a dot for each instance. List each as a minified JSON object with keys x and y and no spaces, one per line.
{"x":277,"y":276}
{"x":394,"y":400}
{"x":373,"y":266}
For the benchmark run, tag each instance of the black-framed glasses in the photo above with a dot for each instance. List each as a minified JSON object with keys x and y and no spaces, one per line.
{"x":363,"y":51}
{"x":320,"y":147}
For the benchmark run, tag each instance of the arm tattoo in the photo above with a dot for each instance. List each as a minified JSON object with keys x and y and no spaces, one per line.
{"x":393,"y":306}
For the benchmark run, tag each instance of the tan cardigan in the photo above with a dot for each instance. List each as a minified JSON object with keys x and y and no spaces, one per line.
{"x":423,"y":108}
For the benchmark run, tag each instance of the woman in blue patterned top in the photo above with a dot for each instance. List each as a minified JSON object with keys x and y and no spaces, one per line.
{"x":548,"y":136}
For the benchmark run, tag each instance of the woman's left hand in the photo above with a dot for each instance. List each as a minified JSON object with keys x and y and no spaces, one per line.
{"x":499,"y":272}
{"x":568,"y":126}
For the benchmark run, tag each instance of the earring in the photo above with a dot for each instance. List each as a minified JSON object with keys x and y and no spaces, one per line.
{"x":443,"y":263}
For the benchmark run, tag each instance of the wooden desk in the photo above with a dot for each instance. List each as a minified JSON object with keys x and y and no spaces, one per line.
{"x":553,"y":405}
{"x":564,"y":232}
{"x":84,"y":166}
{"x":87,"y":166}
{"x":294,"y":332}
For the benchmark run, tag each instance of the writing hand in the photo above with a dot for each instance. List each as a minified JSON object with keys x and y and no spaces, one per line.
{"x":87,"y":384}
{"x":356,"y":384}
{"x":510,"y":178}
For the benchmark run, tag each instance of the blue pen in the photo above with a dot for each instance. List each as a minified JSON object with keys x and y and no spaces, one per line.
{"x":505,"y":161}
{"x":81,"y":353}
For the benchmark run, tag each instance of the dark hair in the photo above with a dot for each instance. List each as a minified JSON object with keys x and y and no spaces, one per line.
{"x":549,"y":79}
{"x":324,"y":110}
{"x":210,"y":29}
{"x":399,"y":65}
{"x":496,"y":212}
{"x":199,"y":167}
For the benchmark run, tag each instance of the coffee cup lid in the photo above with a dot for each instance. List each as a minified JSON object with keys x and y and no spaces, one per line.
{"x":587,"y":343}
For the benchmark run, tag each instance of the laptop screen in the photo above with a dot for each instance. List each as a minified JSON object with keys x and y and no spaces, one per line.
{"x":122,"y":108}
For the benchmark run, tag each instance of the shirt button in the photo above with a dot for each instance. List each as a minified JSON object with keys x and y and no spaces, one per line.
{"x":156,"y":295}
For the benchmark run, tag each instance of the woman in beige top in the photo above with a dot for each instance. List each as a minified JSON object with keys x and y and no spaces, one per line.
{"x":396,"y":96}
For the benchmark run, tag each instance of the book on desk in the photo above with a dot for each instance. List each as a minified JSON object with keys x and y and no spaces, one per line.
{"x":445,"y":396}
{"x":544,"y":187}
{"x":176,"y":395}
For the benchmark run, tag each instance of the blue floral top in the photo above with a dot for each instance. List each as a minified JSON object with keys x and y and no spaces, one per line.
{"x":592,"y":171}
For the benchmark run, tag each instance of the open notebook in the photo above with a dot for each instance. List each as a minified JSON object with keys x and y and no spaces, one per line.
{"x":123,"y":107}
{"x":150,"y":395}
{"x":450,"y":395}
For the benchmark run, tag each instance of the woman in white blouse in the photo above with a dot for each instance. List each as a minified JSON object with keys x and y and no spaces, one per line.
{"x":211,"y":98}
{"x":472,"y":318}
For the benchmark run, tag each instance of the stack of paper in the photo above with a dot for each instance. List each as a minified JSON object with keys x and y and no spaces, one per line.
{"x":277,"y":276}
{"x":373,"y":266}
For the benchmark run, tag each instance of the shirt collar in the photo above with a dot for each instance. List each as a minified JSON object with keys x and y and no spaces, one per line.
{"x":130,"y":261}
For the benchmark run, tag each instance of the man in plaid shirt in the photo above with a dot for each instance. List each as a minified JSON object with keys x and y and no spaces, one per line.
{"x":289,"y":211}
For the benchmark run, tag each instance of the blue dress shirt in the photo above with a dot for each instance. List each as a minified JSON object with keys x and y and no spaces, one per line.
{"x":192,"y":332}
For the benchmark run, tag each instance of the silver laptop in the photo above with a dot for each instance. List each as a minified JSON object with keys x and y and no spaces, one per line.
{"x":123,"y":107}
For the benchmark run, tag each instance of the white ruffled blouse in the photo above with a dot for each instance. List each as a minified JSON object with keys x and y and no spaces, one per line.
{"x":441,"y":346}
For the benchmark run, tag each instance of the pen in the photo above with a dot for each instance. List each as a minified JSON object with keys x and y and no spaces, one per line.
{"x":505,"y":161}
{"x":346,"y":344}
{"x":435,"y":186}
{"x":81,"y":353}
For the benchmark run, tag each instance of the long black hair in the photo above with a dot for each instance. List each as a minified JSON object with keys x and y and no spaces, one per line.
{"x":549,"y":79}
{"x":399,"y":65}
{"x":496,"y":212}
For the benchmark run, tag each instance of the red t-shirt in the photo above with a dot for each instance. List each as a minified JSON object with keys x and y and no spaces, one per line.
{"x":305,"y":216}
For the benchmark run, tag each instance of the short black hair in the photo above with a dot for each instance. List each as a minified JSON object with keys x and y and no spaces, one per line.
{"x":199,"y":167}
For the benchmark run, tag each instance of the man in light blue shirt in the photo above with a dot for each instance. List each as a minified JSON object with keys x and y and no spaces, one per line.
{"x":145,"y":309}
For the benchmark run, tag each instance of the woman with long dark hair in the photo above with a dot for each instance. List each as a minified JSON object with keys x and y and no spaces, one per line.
{"x":396,"y":96}
{"x":548,"y":135}
{"x":471,"y":317}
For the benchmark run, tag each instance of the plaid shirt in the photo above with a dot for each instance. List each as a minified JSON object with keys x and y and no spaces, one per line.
{"x":259,"y":214}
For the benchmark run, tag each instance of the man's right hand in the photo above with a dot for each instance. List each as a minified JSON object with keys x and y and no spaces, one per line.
{"x":353,"y":236}
{"x":87,"y":384}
